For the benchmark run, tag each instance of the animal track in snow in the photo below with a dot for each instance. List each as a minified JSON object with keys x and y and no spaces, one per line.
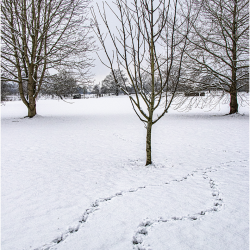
{"x":142,"y":230}
{"x":144,"y":226}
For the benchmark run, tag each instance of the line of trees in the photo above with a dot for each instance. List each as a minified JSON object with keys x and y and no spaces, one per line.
{"x":44,"y":34}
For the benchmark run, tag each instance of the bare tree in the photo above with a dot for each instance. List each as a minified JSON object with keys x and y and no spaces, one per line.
{"x":61,"y":85}
{"x":84,"y":90}
{"x":109,"y":83}
{"x":96,"y":90}
{"x":146,"y":42}
{"x":41,"y":34}
{"x":220,"y":48}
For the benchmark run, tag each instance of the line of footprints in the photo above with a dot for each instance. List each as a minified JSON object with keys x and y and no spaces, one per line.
{"x":142,"y":230}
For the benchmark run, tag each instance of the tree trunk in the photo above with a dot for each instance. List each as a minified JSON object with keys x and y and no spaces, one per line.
{"x":148,"y":142}
{"x":233,"y":88}
{"x":233,"y":102}
{"x":32,"y":107}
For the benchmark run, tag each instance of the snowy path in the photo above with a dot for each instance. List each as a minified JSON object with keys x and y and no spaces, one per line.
{"x":58,"y":164}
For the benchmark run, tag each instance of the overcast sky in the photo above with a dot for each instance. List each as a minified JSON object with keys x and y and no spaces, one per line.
{"x":100,"y":71}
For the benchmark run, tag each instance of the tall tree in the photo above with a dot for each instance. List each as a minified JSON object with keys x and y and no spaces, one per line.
{"x":41,"y":34}
{"x":146,"y":42}
{"x":221,"y":46}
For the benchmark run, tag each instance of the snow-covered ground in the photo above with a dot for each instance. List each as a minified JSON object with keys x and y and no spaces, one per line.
{"x":74,"y":178}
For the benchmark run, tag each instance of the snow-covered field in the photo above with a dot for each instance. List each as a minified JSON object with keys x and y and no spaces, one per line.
{"x":74,"y":178}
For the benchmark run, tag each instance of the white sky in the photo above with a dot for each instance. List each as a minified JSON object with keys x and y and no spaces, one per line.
{"x":100,"y":71}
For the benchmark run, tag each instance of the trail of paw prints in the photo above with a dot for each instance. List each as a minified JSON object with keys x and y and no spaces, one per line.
{"x":144,"y":226}
{"x":96,"y":206}
{"x":142,"y":230}
{"x":93,"y":207}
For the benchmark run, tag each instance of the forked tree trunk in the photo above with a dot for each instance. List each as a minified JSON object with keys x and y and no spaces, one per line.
{"x":32,"y":107}
{"x":148,"y":142}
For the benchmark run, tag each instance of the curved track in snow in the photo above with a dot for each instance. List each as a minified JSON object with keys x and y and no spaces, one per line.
{"x":142,"y":230}
{"x":137,"y":241}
